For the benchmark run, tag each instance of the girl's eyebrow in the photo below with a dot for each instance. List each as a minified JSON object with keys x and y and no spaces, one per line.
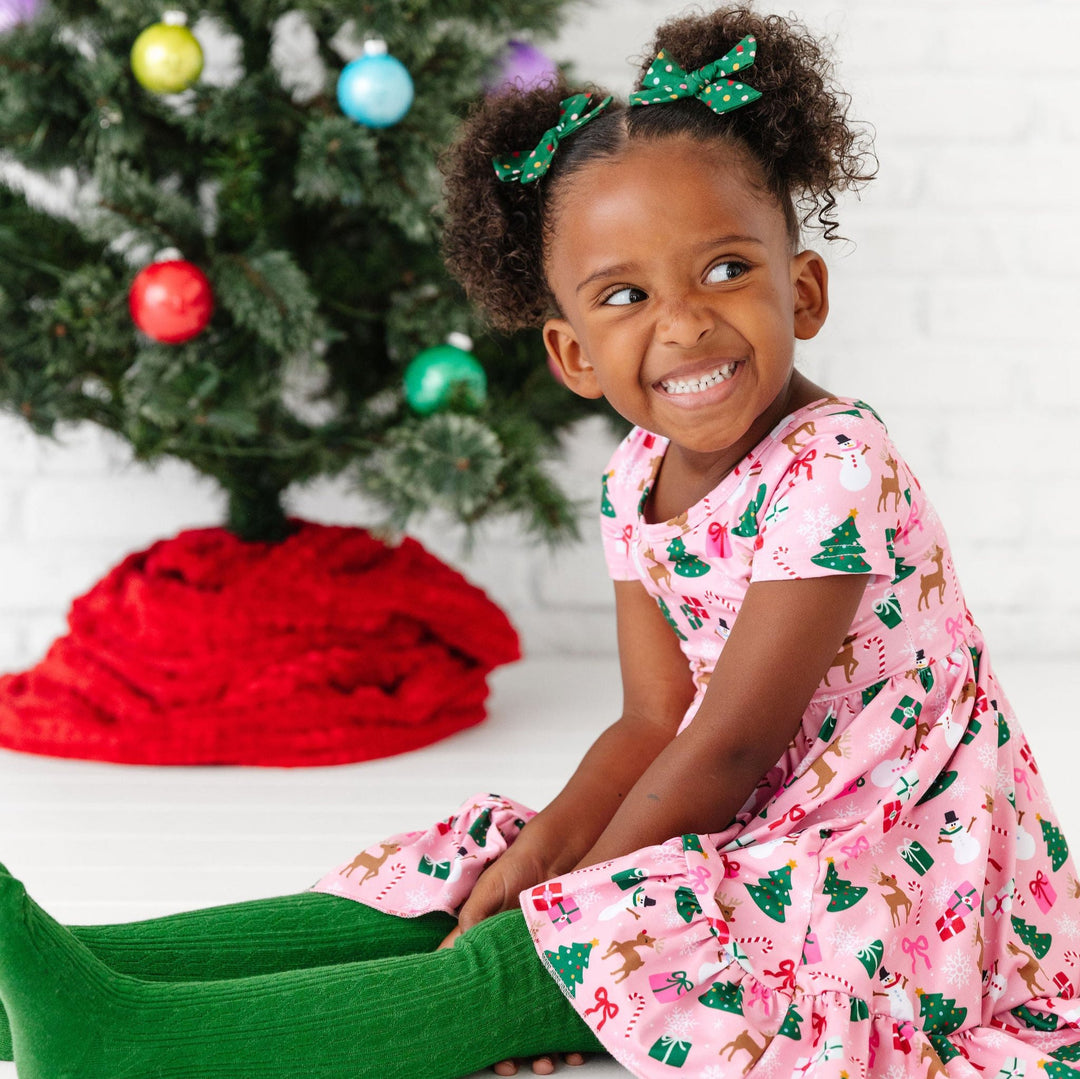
{"x":623,"y":268}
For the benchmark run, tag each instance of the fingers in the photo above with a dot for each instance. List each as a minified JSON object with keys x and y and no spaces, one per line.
{"x":448,"y":941}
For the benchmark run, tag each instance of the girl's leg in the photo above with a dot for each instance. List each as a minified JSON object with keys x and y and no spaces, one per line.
{"x":439,"y":1015}
{"x":310,"y":929}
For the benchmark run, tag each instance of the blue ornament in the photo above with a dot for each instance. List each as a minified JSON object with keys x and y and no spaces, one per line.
{"x":376,"y":89}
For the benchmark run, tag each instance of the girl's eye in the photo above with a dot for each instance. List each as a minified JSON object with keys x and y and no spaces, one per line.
{"x":625,"y":296}
{"x":726,"y":271}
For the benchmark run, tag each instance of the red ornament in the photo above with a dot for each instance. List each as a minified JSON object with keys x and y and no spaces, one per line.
{"x":171,"y":301}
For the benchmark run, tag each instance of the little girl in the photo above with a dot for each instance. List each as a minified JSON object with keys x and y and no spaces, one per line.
{"x":815,"y":842}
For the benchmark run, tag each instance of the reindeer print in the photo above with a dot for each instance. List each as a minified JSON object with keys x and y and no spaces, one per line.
{"x":658,"y":571}
{"x":627,"y":950}
{"x":897,"y":899}
{"x":745,"y":1043}
{"x":791,"y":440}
{"x":824,"y":773}
{"x":372,"y":863}
{"x":890,"y":485}
{"x":1029,"y":971}
{"x":845,"y":658}
{"x":928,"y":582}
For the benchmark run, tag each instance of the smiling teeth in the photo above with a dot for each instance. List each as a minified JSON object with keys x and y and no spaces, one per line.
{"x":696,"y":385}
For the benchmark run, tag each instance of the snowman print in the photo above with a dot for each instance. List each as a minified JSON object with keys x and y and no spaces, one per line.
{"x":965,"y":847}
{"x":854,"y":471}
{"x":900,"y":1006}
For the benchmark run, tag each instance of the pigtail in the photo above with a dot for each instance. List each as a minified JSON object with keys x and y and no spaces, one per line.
{"x":493,"y":238}
{"x":799,"y":131}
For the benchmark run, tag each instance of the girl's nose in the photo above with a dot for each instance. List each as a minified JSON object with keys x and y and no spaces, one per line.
{"x":685,"y":322}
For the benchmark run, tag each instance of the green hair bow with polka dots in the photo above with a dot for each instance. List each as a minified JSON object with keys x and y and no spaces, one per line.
{"x":529,"y":165}
{"x":713,"y":84}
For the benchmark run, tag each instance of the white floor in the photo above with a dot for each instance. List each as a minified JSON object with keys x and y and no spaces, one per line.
{"x":100,"y":843}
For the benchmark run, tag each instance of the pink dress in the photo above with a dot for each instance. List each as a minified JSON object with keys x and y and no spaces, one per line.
{"x":896,"y":897}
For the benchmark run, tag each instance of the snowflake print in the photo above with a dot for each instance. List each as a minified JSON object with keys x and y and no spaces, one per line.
{"x":816,"y":522}
{"x":417,"y":900}
{"x":960,"y":787}
{"x":680,"y":1023}
{"x":942,"y":893}
{"x":1003,"y":782}
{"x":988,"y":754}
{"x":958,"y":968}
{"x":993,"y":1038}
{"x":672,"y":918}
{"x":1068,"y":927}
{"x":669,"y":853}
{"x":879,"y":740}
{"x":586,"y":897}
{"x":846,"y":941}
{"x":713,"y":1071}
{"x":895,"y":1071}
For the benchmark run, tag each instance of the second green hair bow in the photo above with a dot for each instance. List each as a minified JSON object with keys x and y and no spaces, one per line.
{"x":712,"y":84}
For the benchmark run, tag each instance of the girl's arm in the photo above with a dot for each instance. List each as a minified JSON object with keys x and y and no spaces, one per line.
{"x":784,"y":639}
{"x":657,"y":690}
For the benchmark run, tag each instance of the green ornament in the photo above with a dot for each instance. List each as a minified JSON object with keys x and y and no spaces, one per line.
{"x":166,"y":58}
{"x":435,"y":375}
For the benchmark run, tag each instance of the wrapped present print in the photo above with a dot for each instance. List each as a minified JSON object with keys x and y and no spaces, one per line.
{"x":1043,"y":891}
{"x":564,"y":912}
{"x":545,"y":896}
{"x":1066,"y":989}
{"x":811,"y":952}
{"x":670,"y":985}
{"x":949,"y":925}
{"x":906,"y":712}
{"x":438,"y":870}
{"x":891,"y":815}
{"x":1013,"y":1068}
{"x":629,"y":878}
{"x":901,"y":1035}
{"x":888,"y":610}
{"x":964,"y":898}
{"x":916,"y":855}
{"x":669,"y":1050}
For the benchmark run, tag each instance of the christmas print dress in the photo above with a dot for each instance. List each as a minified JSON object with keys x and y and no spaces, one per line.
{"x":896,"y":898}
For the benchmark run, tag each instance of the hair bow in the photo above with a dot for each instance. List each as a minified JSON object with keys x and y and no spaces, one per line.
{"x":712,"y":84}
{"x":527,"y":166}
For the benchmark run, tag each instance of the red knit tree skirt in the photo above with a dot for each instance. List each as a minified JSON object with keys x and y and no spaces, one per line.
{"x":327,"y":648}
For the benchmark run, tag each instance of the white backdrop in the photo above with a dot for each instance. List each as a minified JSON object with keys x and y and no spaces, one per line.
{"x":954,"y":314}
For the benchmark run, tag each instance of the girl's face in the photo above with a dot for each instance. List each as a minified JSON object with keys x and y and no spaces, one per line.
{"x":681,"y":297}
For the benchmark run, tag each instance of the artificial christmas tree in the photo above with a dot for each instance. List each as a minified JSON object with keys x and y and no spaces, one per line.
{"x":317,"y":234}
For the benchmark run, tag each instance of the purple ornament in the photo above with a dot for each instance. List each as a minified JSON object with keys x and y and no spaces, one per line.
{"x":522,"y":64}
{"x":13,"y":12}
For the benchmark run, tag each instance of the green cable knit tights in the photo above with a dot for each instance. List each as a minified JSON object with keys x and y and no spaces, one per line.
{"x":287,"y":988}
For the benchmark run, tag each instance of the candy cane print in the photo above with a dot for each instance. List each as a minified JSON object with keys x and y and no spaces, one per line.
{"x":639,"y":1007}
{"x":869,"y":644}
{"x":393,"y":880}
{"x":776,"y":557}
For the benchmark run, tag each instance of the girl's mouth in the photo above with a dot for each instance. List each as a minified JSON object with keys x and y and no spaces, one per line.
{"x":678,"y":386}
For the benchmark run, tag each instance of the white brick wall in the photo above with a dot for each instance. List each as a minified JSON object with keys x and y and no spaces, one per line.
{"x":954,"y":315}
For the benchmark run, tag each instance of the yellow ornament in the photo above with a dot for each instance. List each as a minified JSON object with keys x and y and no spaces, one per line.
{"x":166,"y":58}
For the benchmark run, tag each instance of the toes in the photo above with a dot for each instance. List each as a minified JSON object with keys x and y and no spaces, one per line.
{"x":543,"y":1066}
{"x":505,"y":1067}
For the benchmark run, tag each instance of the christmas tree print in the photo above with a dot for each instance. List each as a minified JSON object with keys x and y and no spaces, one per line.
{"x":748,"y":522}
{"x":941,"y":1016}
{"x":842,"y":893}
{"x":859,"y":1010}
{"x":901,"y":569}
{"x":871,"y":692}
{"x":942,"y":783}
{"x":843,"y":551}
{"x":790,"y":1027}
{"x":686,"y":564}
{"x":1038,"y":942}
{"x":686,"y":903}
{"x":773,"y":893}
{"x":479,"y":830}
{"x":1035,"y":1021}
{"x":569,"y":963}
{"x":606,"y":508}
{"x":1004,"y":734}
{"x":1056,"y":846}
{"x":1067,"y":1052}
{"x":727,"y":996}
{"x":1056,"y":1070}
{"x":665,"y":610}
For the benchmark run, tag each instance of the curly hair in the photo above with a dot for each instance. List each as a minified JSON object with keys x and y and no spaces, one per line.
{"x":798,"y":134}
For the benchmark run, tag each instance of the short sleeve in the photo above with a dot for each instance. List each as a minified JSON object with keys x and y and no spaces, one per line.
{"x":621,"y":490}
{"x":836,"y":507}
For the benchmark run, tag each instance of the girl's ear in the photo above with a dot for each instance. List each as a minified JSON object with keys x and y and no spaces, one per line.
{"x":566,"y":353}
{"x":810,"y":284}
